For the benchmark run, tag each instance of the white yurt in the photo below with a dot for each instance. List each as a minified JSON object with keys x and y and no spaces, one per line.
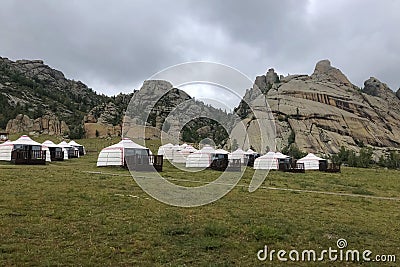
{"x":311,"y":162}
{"x":180,"y":156}
{"x":270,"y":161}
{"x":73,"y":152}
{"x":166,"y":151}
{"x":5,"y":150}
{"x":114,"y":155}
{"x":239,"y":154}
{"x":55,"y":149}
{"x":80,"y":147}
{"x":201,"y":158}
{"x":24,"y":143}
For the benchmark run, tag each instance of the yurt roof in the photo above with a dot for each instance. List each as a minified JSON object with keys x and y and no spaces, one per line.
{"x":26,"y":140}
{"x":207,"y":149}
{"x":8,"y":142}
{"x":126,"y":143}
{"x":221,"y":151}
{"x":238,"y":151}
{"x":310,"y":156}
{"x":64,"y":144}
{"x":49,"y":143}
{"x":73,"y":143}
{"x":250,"y":152}
{"x":167,"y":145}
{"x":279,"y":155}
{"x":270,"y":154}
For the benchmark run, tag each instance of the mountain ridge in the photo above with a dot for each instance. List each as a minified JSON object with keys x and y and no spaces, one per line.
{"x":319,"y":112}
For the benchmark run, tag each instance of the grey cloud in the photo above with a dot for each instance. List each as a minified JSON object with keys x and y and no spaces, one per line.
{"x":115,"y":45}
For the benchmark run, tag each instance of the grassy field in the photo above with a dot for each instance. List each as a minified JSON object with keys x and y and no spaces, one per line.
{"x":60,"y":214}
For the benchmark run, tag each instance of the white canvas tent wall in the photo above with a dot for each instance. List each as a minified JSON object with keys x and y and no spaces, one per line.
{"x":269,"y":161}
{"x":311,"y":162}
{"x":49,"y":144}
{"x":115,"y":155}
{"x":166,"y":151}
{"x":201,"y":158}
{"x":80,"y":147}
{"x":7,"y":147}
{"x":5,"y":151}
{"x":180,"y":156}
{"x":238,"y":154}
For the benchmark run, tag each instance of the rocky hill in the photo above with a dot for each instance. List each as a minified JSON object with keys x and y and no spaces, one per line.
{"x":323,"y":111}
{"x":42,"y":96}
{"x":318,"y":113}
{"x":161,"y":108}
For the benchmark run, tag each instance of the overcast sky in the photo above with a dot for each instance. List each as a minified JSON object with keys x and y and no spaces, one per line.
{"x":112,"y":46}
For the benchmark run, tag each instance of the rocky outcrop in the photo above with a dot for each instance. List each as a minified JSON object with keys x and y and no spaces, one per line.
{"x":398,"y":94}
{"x":47,"y":124}
{"x":324,"y":72}
{"x":99,"y":130}
{"x":103,"y":121}
{"x":265,"y":82}
{"x":104,"y":114}
{"x":325,"y":111}
{"x":33,"y":88}
{"x":161,"y":108}
{"x":374,"y":87}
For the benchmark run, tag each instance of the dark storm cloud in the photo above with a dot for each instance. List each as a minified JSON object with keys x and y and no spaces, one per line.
{"x":115,"y":45}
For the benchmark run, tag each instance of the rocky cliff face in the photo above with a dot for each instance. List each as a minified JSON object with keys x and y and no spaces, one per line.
{"x":325,"y":111}
{"x":48,"y":124}
{"x":32,"y":88}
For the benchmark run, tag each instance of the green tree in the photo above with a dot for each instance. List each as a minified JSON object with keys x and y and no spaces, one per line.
{"x":293,"y":151}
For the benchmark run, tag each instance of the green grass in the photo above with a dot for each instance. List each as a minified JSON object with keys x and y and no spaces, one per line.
{"x":60,"y":215}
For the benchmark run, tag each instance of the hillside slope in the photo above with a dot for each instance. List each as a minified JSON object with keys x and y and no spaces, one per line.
{"x":34,"y":89}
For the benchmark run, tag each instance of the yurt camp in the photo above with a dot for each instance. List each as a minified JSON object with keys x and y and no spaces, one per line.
{"x":312,"y":162}
{"x":57,"y":152}
{"x":127,"y":153}
{"x":24,"y":151}
{"x":81,"y":148}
